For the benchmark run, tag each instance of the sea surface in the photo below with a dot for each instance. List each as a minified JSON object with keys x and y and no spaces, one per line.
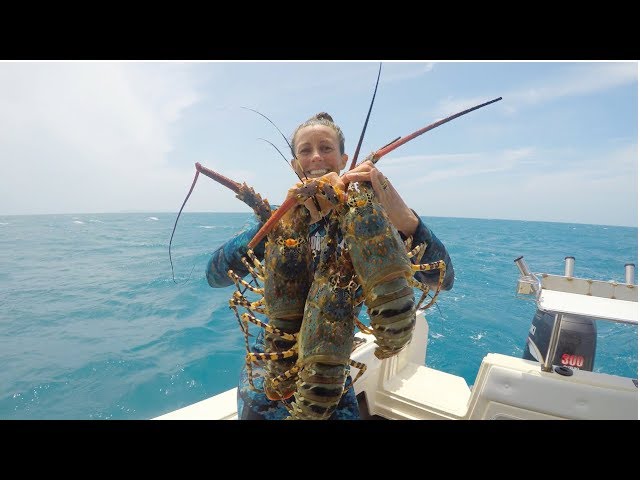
{"x":93,"y":325}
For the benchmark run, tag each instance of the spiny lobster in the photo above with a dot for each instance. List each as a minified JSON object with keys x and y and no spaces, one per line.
{"x":286,"y":276}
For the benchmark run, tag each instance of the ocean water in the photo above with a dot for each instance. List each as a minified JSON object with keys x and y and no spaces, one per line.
{"x":93,"y":326}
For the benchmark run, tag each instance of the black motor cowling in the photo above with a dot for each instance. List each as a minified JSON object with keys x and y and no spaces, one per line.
{"x":576,"y":342}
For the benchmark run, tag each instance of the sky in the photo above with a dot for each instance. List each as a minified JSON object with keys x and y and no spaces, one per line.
{"x":105,"y":136}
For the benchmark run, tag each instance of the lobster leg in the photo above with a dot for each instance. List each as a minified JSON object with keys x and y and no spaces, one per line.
{"x":361,"y":369}
{"x":362,"y":327}
{"x":239,"y":281}
{"x":238,"y":299}
{"x":426,"y":267}
{"x":270,"y":329}
{"x":291,"y":373}
{"x":257,"y":269}
{"x":417,"y":252}
{"x":258,"y":358}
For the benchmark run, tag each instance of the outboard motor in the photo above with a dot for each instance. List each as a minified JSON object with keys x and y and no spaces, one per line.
{"x":576,"y":343}
{"x":577,"y":338}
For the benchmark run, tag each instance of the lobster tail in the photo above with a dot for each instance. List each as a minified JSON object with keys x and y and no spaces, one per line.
{"x":320,"y":387}
{"x":274,"y":343}
{"x":393,"y":316}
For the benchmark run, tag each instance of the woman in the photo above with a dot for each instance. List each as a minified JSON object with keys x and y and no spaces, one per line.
{"x":318,"y":146}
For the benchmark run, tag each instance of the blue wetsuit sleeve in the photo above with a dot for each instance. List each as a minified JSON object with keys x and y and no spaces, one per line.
{"x":229,"y":257}
{"x":435,"y":251}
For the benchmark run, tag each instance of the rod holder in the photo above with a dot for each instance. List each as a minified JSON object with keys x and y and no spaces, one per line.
{"x":629,"y":273}
{"x":522,"y":266}
{"x":569,"y":263}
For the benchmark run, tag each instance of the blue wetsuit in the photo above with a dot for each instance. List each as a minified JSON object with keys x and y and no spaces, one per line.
{"x":254,"y":405}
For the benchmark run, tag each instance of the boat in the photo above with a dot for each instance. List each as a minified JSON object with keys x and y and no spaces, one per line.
{"x":553,"y":380}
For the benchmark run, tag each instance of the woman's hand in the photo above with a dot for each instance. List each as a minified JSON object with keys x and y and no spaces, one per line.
{"x":399,"y":213}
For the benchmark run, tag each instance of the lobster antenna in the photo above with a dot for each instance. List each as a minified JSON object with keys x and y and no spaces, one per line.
{"x":392,"y":141}
{"x":284,"y":158}
{"x":392,"y":146}
{"x":269,"y":120}
{"x":366,"y":122}
{"x":195,"y":179}
{"x":285,"y":139}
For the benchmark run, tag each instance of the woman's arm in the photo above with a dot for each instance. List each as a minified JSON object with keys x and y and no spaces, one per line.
{"x":228,"y":257}
{"x":435,"y":251}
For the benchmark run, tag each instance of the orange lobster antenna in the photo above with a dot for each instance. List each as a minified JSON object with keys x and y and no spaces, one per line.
{"x":287,"y":205}
{"x":392,"y":146}
{"x":227,"y":182}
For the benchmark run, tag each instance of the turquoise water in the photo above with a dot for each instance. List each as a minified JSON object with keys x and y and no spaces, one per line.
{"x":92,"y":325}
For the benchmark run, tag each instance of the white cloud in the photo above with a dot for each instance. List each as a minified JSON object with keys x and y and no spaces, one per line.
{"x":574,"y":80}
{"x":525,"y":184}
{"x":454,"y":166}
{"x":581,"y":79}
{"x":79,"y":134}
{"x":395,"y":72}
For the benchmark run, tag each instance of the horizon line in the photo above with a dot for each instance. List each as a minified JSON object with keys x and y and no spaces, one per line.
{"x":251,"y":213}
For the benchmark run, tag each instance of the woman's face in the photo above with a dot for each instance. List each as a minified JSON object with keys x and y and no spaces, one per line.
{"x":318,"y":151}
